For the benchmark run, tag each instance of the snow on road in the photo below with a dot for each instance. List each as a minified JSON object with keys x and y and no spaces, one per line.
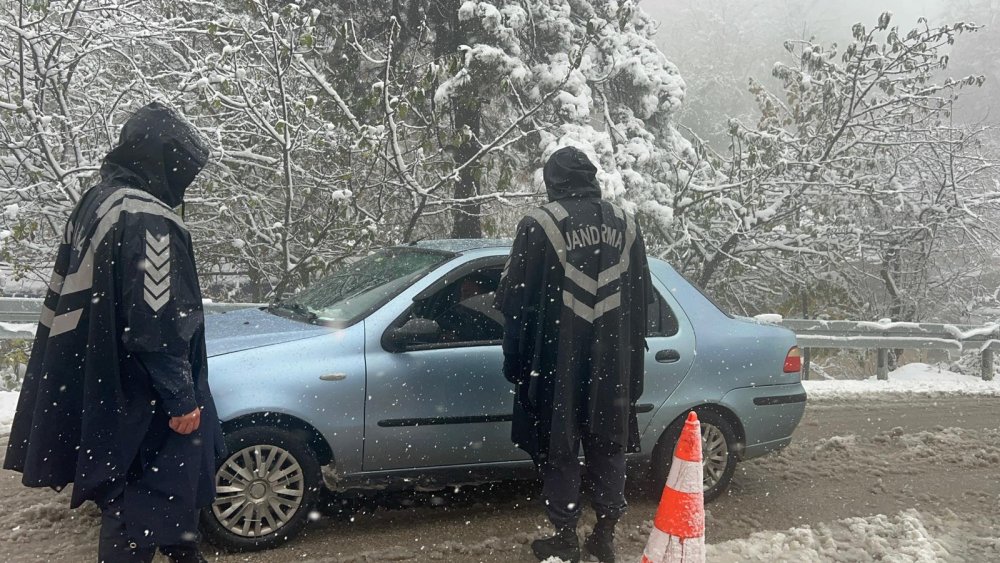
{"x":906,"y":536}
{"x":911,"y":479}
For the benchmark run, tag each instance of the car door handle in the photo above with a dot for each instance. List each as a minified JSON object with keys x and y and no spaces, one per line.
{"x":333,"y":377}
{"x":668,"y":356}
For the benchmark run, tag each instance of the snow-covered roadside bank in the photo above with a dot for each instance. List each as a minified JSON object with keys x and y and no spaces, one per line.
{"x":8,"y":402}
{"x":907,"y":536}
{"x":930,"y":472}
{"x":912,"y":379}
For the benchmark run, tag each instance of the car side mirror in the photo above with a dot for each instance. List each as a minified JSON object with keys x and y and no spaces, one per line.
{"x":414,"y":332}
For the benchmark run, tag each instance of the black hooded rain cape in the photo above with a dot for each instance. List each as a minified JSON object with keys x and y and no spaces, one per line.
{"x":574,"y":294}
{"x":120,"y":347}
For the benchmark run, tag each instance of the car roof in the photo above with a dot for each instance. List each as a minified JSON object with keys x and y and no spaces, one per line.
{"x":460,"y":246}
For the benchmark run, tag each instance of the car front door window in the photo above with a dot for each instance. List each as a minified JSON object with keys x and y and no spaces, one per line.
{"x":463,"y":311}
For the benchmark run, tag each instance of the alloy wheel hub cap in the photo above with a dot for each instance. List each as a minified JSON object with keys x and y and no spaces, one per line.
{"x":715,"y":455}
{"x":259,"y":489}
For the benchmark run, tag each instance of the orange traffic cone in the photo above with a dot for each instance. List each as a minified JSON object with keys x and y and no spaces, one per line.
{"x":679,"y":528}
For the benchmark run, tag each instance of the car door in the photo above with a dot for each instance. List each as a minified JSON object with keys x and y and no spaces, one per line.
{"x":442,"y":402}
{"x":670,"y":355}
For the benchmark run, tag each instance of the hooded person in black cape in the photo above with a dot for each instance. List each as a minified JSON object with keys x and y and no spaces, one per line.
{"x":116,"y":397}
{"x":575,"y":294}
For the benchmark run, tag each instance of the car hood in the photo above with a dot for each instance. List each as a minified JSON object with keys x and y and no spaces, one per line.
{"x":234,"y":331}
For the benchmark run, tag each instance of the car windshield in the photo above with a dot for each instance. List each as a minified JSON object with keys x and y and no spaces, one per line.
{"x":363,"y":285}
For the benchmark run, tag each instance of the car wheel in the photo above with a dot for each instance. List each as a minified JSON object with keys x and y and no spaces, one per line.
{"x":718,"y":449}
{"x":265,"y":490}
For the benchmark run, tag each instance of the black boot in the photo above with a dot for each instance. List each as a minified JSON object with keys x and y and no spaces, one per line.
{"x":183,"y":554}
{"x":564,"y":545}
{"x":601,"y":542}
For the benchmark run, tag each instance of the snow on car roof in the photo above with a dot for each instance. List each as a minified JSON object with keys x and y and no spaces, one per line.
{"x":463,"y":245}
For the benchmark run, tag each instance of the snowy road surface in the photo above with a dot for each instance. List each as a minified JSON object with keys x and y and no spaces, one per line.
{"x":892,"y":478}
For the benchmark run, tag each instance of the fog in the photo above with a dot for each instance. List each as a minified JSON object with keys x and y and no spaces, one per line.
{"x":719,"y":44}
{"x":821,"y":18}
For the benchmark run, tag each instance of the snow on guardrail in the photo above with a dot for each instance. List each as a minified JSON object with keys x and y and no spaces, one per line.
{"x":884,"y":335}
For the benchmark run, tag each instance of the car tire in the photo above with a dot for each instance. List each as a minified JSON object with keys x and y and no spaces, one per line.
{"x":267,"y":488}
{"x":717,"y":435}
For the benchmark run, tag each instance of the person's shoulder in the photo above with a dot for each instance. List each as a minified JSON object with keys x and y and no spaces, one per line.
{"x":618,"y":211}
{"x":142,"y":208}
{"x":552,"y":212}
{"x":114,"y":207}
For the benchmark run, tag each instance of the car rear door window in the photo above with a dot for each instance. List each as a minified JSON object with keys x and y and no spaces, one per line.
{"x":661,"y":318}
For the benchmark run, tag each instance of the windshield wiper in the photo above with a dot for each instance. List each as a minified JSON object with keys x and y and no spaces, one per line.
{"x":296,"y":308}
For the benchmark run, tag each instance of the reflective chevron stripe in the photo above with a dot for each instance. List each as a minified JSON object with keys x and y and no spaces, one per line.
{"x":557,"y":210}
{"x":109,"y":212}
{"x":591,"y":314}
{"x":156,"y":282}
{"x":551,"y":231}
{"x":547,"y":218}
{"x":127,"y":201}
{"x":56,"y":283}
{"x":55,"y":286}
{"x":65,"y":322}
{"x":47,"y":316}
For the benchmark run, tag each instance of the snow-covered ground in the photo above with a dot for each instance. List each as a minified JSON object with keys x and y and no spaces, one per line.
{"x":917,"y":378}
{"x":906,"y":536}
{"x":22,"y":330}
{"x":907,"y":476}
{"x":8,"y":402}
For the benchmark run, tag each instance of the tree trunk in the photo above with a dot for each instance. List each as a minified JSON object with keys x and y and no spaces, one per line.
{"x":468,"y":222}
{"x":467,"y":116}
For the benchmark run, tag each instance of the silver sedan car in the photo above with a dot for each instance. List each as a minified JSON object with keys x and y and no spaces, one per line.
{"x":388,"y":374}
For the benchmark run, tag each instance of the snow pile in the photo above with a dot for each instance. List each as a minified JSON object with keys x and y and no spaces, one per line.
{"x":907,"y":536}
{"x":957,"y":446}
{"x":837,"y":444}
{"x":27,"y":328}
{"x":916,"y":378}
{"x":8,"y":402}
{"x":41,"y":521}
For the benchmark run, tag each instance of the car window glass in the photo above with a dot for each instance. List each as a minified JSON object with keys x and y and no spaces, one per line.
{"x":707,"y":296}
{"x":366,"y":284}
{"x":464,"y":310}
{"x":661,"y":318}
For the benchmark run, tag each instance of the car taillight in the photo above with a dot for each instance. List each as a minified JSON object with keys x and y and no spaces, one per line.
{"x":793,"y":361}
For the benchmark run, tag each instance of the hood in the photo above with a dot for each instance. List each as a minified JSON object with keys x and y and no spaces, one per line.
{"x":235,"y":331}
{"x":159,"y":152}
{"x":569,"y":174}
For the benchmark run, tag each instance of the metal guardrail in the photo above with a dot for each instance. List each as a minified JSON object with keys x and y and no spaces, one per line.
{"x":883,"y":336}
{"x":19,"y":316}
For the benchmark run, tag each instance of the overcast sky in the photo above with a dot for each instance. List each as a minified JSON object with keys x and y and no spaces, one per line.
{"x":821,"y":16}
{"x":739,"y":39}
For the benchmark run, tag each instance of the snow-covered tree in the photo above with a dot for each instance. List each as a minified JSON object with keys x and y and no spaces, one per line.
{"x":282,"y":189}
{"x":69,"y":71}
{"x":855,"y":177}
